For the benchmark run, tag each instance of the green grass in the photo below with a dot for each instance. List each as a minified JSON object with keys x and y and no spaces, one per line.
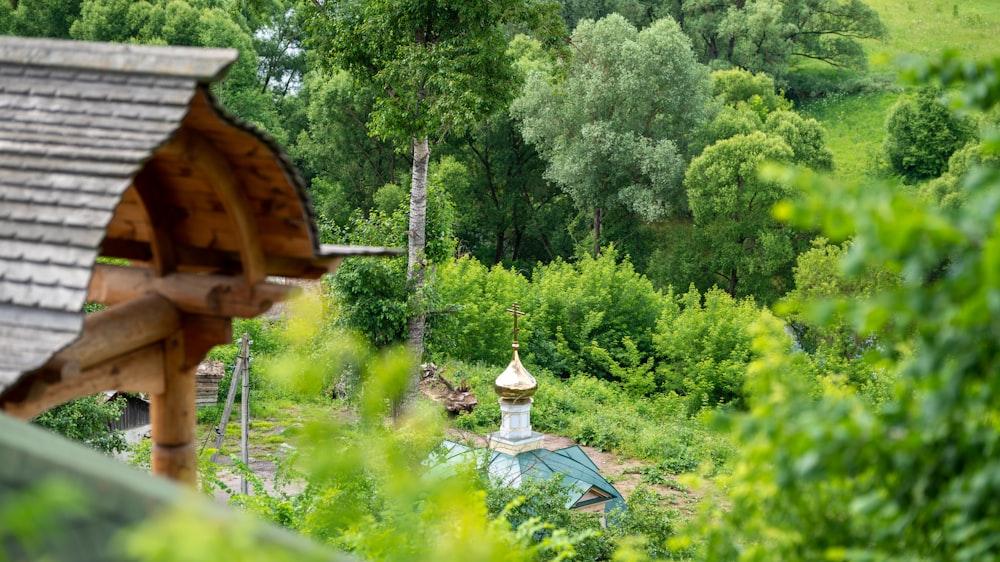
{"x":855,"y":124}
{"x":855,"y":129}
{"x":926,"y":27}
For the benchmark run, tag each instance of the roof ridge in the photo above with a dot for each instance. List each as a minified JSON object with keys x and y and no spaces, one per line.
{"x":198,"y":63}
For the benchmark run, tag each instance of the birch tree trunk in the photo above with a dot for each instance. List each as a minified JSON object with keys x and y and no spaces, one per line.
{"x":416,"y":262}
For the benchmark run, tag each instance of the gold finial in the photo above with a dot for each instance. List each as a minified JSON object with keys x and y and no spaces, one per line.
{"x":516,"y":311}
{"x":515,"y":383}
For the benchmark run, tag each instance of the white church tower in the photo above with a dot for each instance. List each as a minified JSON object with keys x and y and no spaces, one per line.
{"x":515,"y":387}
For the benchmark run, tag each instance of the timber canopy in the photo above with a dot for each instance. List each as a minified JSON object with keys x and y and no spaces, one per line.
{"x":120,"y":151}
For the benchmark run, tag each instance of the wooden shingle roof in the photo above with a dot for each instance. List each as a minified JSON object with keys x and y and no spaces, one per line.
{"x":74,"y":129}
{"x":122,"y":151}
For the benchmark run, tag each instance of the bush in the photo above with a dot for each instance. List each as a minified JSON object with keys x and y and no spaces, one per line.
{"x":87,"y":420}
{"x":704,"y":346}
{"x":921,"y":134}
{"x":474,"y":325}
{"x":596,"y":316}
{"x":372,"y":292}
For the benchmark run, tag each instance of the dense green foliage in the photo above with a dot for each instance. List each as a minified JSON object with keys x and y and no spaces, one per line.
{"x":613,"y":131}
{"x":922,"y":134}
{"x":774,"y":35}
{"x":599,"y":318}
{"x":863,"y":406}
{"x":834,"y":342}
{"x":912,"y":477}
{"x":734,"y":242}
{"x":39,"y":18}
{"x":706,"y":344}
{"x":87,"y":420}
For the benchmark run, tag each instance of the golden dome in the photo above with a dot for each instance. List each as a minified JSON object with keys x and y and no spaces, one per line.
{"x":515,"y":383}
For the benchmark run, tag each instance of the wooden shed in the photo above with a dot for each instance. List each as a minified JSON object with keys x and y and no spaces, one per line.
{"x":121,"y":151}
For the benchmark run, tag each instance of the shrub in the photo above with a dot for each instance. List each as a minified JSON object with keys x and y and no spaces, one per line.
{"x":594,"y":317}
{"x":704,"y":345}
{"x":372,"y":292}
{"x":474,"y":324}
{"x":86,"y":420}
{"x":921,"y":134}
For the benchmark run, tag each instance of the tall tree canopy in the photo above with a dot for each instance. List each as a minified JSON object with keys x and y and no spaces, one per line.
{"x":429,"y":61}
{"x":734,"y":241}
{"x":773,"y":35}
{"x":612,"y":132}
{"x":38,"y":18}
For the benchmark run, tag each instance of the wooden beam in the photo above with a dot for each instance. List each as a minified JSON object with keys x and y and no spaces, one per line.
{"x":172,"y":416}
{"x":137,"y":371}
{"x":208,"y":295}
{"x":225,"y":261}
{"x":203,"y":155}
{"x":202,"y":333}
{"x":120,"y":329}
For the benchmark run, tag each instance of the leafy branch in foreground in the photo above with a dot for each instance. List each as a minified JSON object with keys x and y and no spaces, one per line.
{"x":838,"y":478}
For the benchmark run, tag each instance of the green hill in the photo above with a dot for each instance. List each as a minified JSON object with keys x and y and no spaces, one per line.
{"x":854,"y":124}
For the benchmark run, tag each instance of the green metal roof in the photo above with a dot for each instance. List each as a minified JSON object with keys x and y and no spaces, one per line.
{"x":579,"y":473}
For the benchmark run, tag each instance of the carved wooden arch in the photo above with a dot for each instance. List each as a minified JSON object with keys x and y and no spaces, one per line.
{"x":167,"y":312}
{"x":136,"y":161}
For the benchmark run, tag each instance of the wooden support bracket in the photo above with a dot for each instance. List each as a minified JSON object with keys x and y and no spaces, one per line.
{"x":209,"y":295}
{"x":120,"y":329}
{"x":138,"y":371}
{"x":114,"y":352}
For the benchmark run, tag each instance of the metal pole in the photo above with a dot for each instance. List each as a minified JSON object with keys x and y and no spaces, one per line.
{"x":245,"y":419}
{"x":220,"y":430}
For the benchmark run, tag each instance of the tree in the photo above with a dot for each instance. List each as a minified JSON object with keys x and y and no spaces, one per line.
{"x":829,"y":475}
{"x":204,"y":24}
{"x":731,"y":205}
{"x":427,"y":61}
{"x":612,"y":133}
{"x":774,"y":35}
{"x":948,"y":190}
{"x":734,"y":241}
{"x":921,"y":134}
{"x":87,"y":420}
{"x":38,"y":18}
{"x":345,"y":165}
{"x":507,"y":211}
{"x":640,"y":13}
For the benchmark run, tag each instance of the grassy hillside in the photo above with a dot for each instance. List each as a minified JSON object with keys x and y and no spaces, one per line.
{"x":925,"y":27}
{"x":854,"y":124}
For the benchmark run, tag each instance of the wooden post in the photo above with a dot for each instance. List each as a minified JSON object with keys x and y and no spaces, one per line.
{"x":227,"y":411}
{"x":172,"y":416}
{"x":245,"y":419}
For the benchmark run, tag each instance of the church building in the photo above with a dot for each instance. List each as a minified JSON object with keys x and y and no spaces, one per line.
{"x":516,"y":453}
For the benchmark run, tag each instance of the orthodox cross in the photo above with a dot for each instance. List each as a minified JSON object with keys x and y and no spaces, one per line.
{"x":516,"y":311}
